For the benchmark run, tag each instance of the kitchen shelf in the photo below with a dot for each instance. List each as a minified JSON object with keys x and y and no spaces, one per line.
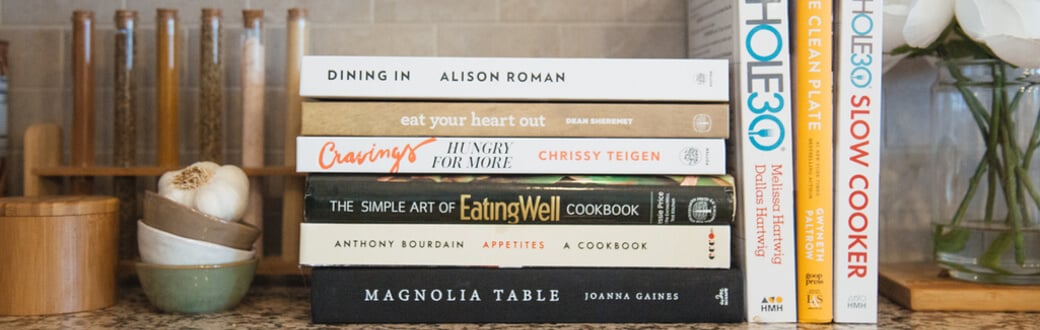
{"x":43,"y":174}
{"x":148,"y":171}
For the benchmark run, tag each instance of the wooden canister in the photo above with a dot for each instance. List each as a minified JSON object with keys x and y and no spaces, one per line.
{"x":58,"y":254}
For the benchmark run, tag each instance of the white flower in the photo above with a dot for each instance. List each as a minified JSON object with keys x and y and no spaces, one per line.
{"x":1008,"y":27}
{"x":895,"y":12}
{"x":926,"y":20}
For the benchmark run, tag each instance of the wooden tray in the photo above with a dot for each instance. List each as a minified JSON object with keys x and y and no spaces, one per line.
{"x":924,"y":287}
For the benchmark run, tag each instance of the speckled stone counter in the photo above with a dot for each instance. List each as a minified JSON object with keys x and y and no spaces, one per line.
{"x":284,"y":303}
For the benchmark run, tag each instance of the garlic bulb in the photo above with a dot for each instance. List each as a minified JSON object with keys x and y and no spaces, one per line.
{"x":220,"y":191}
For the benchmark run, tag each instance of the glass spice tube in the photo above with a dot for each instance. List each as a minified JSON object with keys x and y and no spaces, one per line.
{"x":124,"y":129}
{"x":168,"y":88}
{"x":82,"y":137}
{"x":292,"y":199}
{"x":82,"y":88}
{"x":253,"y":112}
{"x":3,"y":118}
{"x":211,"y":88}
{"x":296,"y":45}
{"x":125,"y":123}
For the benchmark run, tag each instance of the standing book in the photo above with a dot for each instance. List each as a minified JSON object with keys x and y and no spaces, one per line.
{"x":754,"y":36}
{"x":528,"y":295}
{"x":814,"y":157}
{"x":857,"y":161}
{"x":507,"y":78}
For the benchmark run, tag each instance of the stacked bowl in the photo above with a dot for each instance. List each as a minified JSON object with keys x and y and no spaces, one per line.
{"x":192,"y":262}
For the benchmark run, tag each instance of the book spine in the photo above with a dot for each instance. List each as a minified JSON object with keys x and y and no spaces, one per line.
{"x":754,"y":35}
{"x":346,"y":244}
{"x":857,"y":173}
{"x":502,"y":78}
{"x":533,"y":119}
{"x":814,"y":158}
{"x":333,"y":198}
{"x":507,"y":155}
{"x":543,"y":295}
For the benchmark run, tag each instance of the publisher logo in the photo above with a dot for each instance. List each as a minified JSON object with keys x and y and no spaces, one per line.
{"x":814,"y":299}
{"x":857,"y":302}
{"x":711,"y":245}
{"x":723,"y":297}
{"x":772,"y":304}
{"x":692,"y":156}
{"x":701,"y":123}
{"x":701,"y":210}
{"x":702,"y":79}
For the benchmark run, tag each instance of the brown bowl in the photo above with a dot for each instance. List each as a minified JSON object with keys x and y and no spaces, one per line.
{"x":164,"y":214}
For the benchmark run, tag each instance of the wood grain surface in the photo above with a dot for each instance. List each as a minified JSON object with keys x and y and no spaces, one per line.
{"x":58,"y":254}
{"x":923,"y":287}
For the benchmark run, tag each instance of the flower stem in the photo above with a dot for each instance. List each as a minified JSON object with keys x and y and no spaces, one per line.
{"x":973,"y":185}
{"x":988,"y":125}
{"x":1004,"y":163}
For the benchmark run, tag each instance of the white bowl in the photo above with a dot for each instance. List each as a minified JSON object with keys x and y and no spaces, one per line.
{"x":160,"y":247}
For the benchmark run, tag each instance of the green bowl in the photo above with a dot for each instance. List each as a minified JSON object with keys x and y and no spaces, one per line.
{"x":196,"y":289}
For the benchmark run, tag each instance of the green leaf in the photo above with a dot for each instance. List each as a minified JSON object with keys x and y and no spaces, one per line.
{"x":953,"y":43}
{"x":950,"y":241}
{"x":962,"y":48}
{"x":991,"y":258}
{"x":910,"y":51}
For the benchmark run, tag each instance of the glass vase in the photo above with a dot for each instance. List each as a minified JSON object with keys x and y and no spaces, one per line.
{"x":985,"y":135}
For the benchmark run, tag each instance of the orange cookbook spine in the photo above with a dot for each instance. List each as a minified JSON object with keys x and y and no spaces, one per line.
{"x":812,"y":63}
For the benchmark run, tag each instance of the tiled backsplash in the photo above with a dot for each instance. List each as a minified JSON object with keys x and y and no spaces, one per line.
{"x":906,"y":164}
{"x":40,"y":35}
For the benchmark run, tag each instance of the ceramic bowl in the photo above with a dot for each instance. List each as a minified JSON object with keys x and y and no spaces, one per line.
{"x":160,"y":247}
{"x":164,"y":214}
{"x":196,"y":289}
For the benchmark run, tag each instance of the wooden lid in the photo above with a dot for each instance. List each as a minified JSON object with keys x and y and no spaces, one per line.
{"x":252,"y":14}
{"x":210,"y":12}
{"x":126,"y":14}
{"x":57,"y":205}
{"x":297,"y":13}
{"x":81,"y":14}
{"x":166,"y":13}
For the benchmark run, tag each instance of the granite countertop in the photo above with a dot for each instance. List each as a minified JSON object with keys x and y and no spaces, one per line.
{"x":284,"y":303}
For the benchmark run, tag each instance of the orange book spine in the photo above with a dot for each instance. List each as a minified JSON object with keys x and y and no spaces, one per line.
{"x":814,"y":162}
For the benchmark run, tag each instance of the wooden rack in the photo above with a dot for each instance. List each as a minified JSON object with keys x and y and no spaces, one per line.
{"x":43,"y":172}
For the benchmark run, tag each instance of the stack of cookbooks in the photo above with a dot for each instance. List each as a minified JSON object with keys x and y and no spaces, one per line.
{"x":484,"y":190}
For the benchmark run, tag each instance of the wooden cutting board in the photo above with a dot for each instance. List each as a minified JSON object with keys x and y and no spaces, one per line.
{"x":924,"y":287}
